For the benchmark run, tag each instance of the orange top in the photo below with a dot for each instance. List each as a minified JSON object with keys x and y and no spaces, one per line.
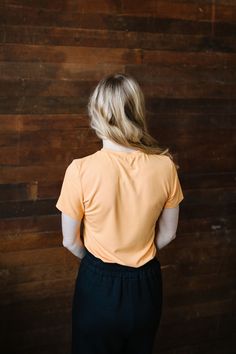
{"x":120,"y":195}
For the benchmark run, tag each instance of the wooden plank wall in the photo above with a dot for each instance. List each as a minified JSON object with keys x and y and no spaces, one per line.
{"x":52,"y":54}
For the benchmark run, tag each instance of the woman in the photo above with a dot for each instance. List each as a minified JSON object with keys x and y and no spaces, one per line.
{"x":120,"y":192}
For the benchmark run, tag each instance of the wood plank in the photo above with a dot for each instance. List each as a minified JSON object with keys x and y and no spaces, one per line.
{"x":196,"y":106}
{"x":202,"y":292}
{"x":47,"y":310}
{"x":46,"y":88}
{"x":207,"y":181}
{"x":200,"y":11}
{"x":74,"y":72}
{"x":19,"y":191}
{"x":36,"y":122}
{"x":188,"y":333}
{"x":199,"y":210}
{"x":187,"y":89}
{"x":181,"y":73}
{"x":29,"y":190}
{"x":43,"y":172}
{"x":208,"y":309}
{"x":38,"y":289}
{"x":28,"y":208}
{"x":216,"y":346}
{"x":43,"y":336}
{"x":193,"y":59}
{"x":206,"y":223}
{"x":225,"y":28}
{"x":225,"y":10}
{"x":12,"y":242}
{"x":31,"y":16}
{"x":169,"y":9}
{"x":211,"y":341}
{"x":187,"y":43}
{"x":21,"y":153}
{"x":59,"y":269}
{"x":83,"y":6}
{"x":43,"y":105}
{"x":69,"y":54}
{"x":32,"y":257}
{"x":189,"y":254}
{"x":17,"y":226}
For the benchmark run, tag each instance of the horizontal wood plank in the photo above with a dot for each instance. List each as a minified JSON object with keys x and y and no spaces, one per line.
{"x":205,"y":45}
{"x":31,"y":16}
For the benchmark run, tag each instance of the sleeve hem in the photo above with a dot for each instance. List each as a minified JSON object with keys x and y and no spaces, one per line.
{"x":173,"y":205}
{"x":69,"y":213}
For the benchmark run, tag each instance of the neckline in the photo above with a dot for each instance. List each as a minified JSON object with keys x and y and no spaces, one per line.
{"x":117,"y":152}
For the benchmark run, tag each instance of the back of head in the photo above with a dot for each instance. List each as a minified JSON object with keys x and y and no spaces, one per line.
{"x":117,"y":112}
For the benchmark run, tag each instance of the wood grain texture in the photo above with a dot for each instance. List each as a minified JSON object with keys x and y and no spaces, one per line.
{"x":52,"y":54}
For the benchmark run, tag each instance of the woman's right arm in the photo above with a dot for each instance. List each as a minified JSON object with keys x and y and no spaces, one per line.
{"x":167,"y":226}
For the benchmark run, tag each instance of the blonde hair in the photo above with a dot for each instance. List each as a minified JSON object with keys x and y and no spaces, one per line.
{"x":117,"y":112}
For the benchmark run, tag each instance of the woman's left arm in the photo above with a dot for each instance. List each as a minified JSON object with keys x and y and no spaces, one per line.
{"x":71,"y":236}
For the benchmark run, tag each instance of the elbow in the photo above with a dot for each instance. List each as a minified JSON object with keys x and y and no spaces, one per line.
{"x":164,"y":239}
{"x":173,"y":237}
{"x":69,"y":240}
{"x":70,"y":244}
{"x":66,"y":244}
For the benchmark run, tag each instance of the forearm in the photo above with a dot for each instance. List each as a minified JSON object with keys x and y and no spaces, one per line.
{"x":72,"y":236}
{"x":77,"y":248}
{"x":166,"y":227}
{"x":162,"y":240}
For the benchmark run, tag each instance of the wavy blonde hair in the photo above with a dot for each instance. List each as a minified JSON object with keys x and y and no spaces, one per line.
{"x":117,"y":112}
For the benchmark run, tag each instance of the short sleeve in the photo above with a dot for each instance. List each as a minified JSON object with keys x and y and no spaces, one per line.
{"x":70,"y":201}
{"x":175,"y":191}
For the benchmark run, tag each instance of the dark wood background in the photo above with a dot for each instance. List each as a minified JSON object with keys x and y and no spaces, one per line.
{"x":52,"y":54}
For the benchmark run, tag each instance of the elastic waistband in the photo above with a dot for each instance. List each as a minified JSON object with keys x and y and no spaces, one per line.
{"x":97,"y":263}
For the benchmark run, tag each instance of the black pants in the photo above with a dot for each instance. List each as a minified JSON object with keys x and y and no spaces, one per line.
{"x":116,"y":309}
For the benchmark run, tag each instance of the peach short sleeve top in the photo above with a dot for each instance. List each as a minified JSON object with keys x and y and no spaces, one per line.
{"x":120,"y":195}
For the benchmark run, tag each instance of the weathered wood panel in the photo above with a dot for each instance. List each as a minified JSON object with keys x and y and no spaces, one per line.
{"x":51,"y":55}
